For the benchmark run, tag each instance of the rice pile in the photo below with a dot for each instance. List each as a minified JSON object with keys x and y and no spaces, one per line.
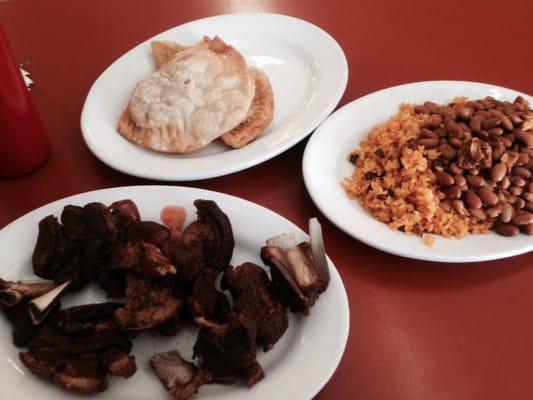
{"x":394,"y":183}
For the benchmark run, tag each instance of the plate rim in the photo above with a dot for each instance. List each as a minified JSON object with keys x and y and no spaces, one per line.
{"x":305,"y":131}
{"x":344,"y":327}
{"x":360,"y":236}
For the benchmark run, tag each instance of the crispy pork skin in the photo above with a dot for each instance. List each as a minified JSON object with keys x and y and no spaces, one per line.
{"x":181,"y":378}
{"x":148,"y":303}
{"x":253,"y":298}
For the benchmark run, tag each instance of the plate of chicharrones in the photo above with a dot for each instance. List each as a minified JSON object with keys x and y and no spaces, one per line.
{"x":160,"y":292}
{"x":438,"y":171}
{"x":213,"y":96}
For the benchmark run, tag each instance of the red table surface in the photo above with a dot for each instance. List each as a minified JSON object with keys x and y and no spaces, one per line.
{"x":419,"y":330}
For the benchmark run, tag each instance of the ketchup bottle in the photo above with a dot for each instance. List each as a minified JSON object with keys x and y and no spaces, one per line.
{"x":23,"y":142}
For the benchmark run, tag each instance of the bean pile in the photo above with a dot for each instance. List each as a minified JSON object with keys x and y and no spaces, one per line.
{"x":486,"y":159}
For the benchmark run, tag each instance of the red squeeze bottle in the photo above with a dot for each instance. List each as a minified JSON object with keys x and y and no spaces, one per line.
{"x":23,"y":142}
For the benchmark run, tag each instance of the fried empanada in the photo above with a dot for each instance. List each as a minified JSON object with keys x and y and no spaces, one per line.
{"x":260,"y":113}
{"x":164,"y":50}
{"x":202,"y":92}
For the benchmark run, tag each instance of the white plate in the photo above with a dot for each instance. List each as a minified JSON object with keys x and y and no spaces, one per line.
{"x":306,"y":67}
{"x":296,"y":368}
{"x":325,"y":164}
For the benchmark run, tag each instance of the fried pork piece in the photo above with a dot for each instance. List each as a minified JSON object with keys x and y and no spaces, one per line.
{"x":98,"y":241}
{"x":252,"y":294}
{"x":187,"y":263}
{"x":47,"y":338}
{"x":14,"y":304}
{"x":74,"y":251}
{"x":270,"y":316}
{"x":117,"y":362}
{"x":206,"y":301}
{"x":171,"y":327}
{"x":148,"y":231}
{"x":55,"y":255}
{"x":143,"y":257}
{"x":124,"y":213}
{"x":73,"y":222}
{"x":113,"y":282}
{"x":148,"y":303}
{"x":181,"y":378}
{"x":78,"y":249}
{"x":12,"y":293}
{"x":23,"y":327}
{"x":297,"y":276}
{"x":228,"y":351}
{"x":46,"y":246}
{"x":93,"y":227}
{"x":136,"y":248}
{"x":154,"y":263}
{"x":243,"y":278}
{"x":205,"y":247}
{"x":74,"y":375}
{"x":210,"y":236}
{"x":110,"y":348}
{"x":85,"y":319}
{"x":75,"y":348}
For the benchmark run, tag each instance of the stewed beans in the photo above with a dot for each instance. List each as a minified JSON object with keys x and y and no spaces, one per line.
{"x":485,"y":159}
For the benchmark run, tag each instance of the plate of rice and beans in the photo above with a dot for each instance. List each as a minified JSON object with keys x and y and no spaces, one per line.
{"x":438,"y":171}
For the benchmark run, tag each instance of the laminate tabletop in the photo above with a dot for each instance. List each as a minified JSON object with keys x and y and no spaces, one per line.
{"x":419,"y":330}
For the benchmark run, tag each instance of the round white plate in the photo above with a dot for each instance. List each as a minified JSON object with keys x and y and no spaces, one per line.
{"x":325,"y":164}
{"x":306,"y":67}
{"x":296,"y":368}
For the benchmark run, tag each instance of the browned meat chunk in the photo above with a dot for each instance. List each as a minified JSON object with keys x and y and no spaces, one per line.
{"x":148,"y":231}
{"x":124,"y":212}
{"x":125,"y":255}
{"x":73,"y":222}
{"x":210,"y":236}
{"x":72,"y":252}
{"x":96,"y":217}
{"x":47,"y":338}
{"x":113,"y":282}
{"x":92,"y":221}
{"x":252,"y":374}
{"x":295,"y":276}
{"x":86,"y":319}
{"x":251,"y":291}
{"x":75,"y":348}
{"x":46,"y":246}
{"x":143,"y":257}
{"x":148,"y":303}
{"x":16,"y":299}
{"x":154,"y":263}
{"x":181,"y":378}
{"x":118,"y":363}
{"x":187,"y":263}
{"x":170,"y":327}
{"x":206,"y":301}
{"x":75,"y":375}
{"x":23,"y":327}
{"x":246,"y":277}
{"x":265,"y":309}
{"x":228,"y":350}
{"x":78,"y":249}
{"x":54,"y":254}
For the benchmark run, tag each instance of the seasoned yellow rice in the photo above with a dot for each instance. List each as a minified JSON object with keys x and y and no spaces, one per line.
{"x":395,"y":184}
